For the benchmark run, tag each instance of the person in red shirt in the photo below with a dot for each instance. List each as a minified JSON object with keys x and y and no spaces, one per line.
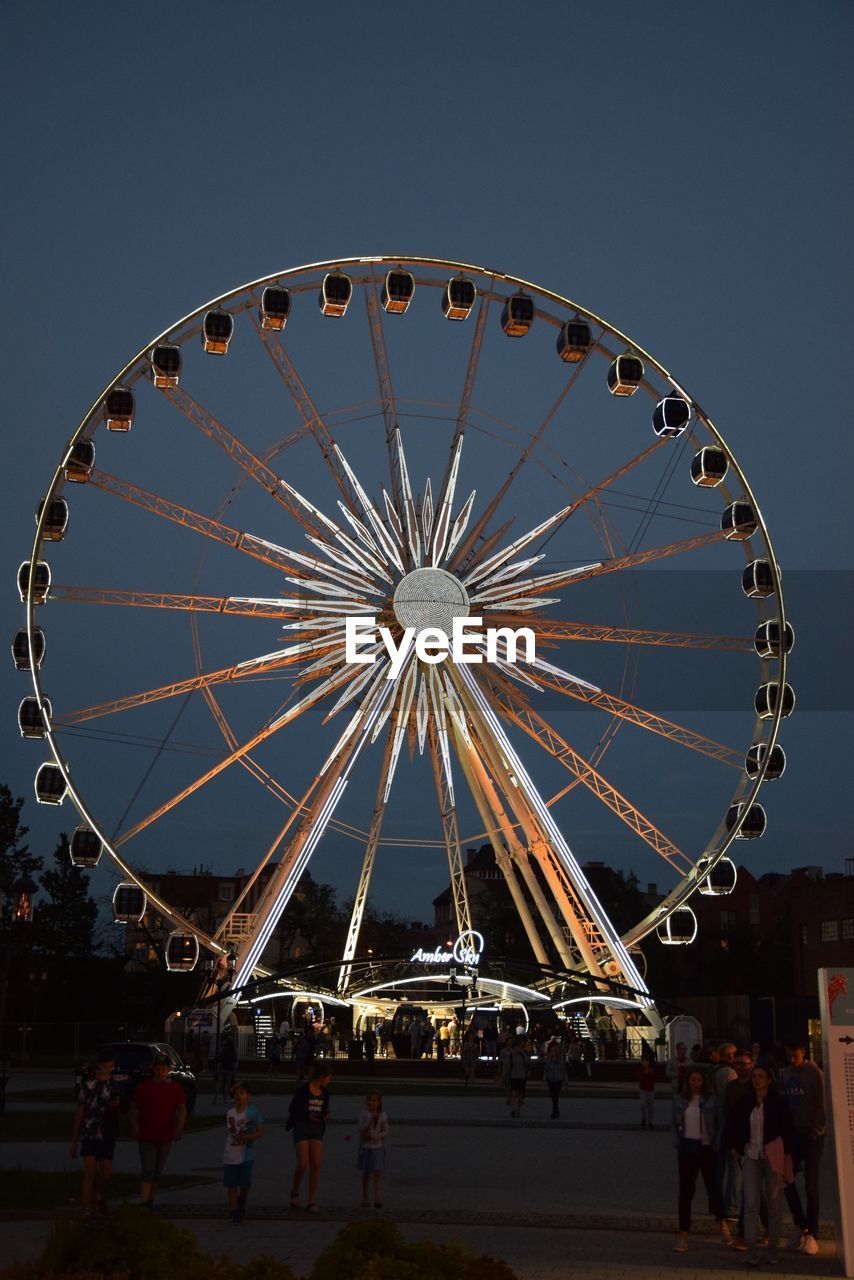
{"x":157,"y":1117}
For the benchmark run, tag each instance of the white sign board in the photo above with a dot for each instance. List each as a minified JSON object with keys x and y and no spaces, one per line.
{"x":836,"y":999}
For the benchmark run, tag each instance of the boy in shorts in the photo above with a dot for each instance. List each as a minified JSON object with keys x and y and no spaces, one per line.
{"x":245,"y":1125}
{"x":94,"y":1130}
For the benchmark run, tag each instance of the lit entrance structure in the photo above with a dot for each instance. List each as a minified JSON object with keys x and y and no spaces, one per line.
{"x":339,"y":519}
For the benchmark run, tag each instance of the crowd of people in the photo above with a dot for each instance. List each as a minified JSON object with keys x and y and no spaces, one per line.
{"x":745,"y":1123}
{"x":748,"y":1123}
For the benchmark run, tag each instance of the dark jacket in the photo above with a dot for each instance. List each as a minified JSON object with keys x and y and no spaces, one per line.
{"x":777,"y":1122}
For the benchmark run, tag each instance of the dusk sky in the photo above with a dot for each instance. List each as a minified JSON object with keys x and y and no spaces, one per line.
{"x":681,"y":169}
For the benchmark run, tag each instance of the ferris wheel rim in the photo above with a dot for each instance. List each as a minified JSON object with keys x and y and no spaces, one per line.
{"x":133,"y":370}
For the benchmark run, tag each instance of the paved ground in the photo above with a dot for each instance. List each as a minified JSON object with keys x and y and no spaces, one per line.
{"x":590,"y":1194}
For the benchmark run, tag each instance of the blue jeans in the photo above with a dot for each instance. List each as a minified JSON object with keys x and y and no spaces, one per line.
{"x":756,"y":1175}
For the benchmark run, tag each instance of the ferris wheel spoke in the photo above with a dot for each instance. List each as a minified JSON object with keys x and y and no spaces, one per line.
{"x":373,"y":841}
{"x":500,"y":830}
{"x":551,"y":677}
{"x":486,"y":517}
{"x":442,"y":776}
{"x":298,"y":506}
{"x":547,"y":736}
{"x":583,"y":902}
{"x":558,"y":630}
{"x":294,"y":860}
{"x":580,"y":920}
{"x":309,"y":412}
{"x":490,"y":599}
{"x":250,"y":667}
{"x":247,"y":543}
{"x":235,"y":606}
{"x":268,"y":730}
{"x":386,"y":392}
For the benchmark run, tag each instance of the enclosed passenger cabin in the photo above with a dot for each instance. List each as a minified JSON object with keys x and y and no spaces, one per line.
{"x":739,"y":522}
{"x":119,"y":406}
{"x":517,"y":315}
{"x":709,"y":466}
{"x":398,"y":291}
{"x":275,"y":308}
{"x":41,"y":581}
{"x":51,"y":787}
{"x":129,"y":903}
{"x":757,"y":581}
{"x":671,"y":417}
{"x":678,"y":929}
{"x":182,"y":952}
{"x":55,"y":524}
{"x":86,"y":848}
{"x":335,"y":293}
{"x":217,"y":328}
{"x":21,"y":649}
{"x":31,"y":718}
{"x":754,"y":823}
{"x":719,"y":879}
{"x":458,"y":298}
{"x":574,"y":341}
{"x":80,"y":461}
{"x":165,"y":364}
{"x":767,"y":641}
{"x":625,"y":374}
{"x":767,"y":696}
{"x":755,"y":758}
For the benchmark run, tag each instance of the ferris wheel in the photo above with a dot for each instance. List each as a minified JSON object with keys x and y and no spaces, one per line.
{"x":236,"y":609}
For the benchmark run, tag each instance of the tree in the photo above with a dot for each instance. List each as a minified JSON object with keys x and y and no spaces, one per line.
{"x":66,"y":921}
{"x":16,"y":861}
{"x":312,"y":923}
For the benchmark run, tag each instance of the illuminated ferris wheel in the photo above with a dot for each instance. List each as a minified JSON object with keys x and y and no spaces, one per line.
{"x":285,"y":532}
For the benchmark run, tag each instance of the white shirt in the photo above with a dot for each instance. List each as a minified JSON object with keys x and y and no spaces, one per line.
{"x":695,"y":1122}
{"x":756,"y":1142}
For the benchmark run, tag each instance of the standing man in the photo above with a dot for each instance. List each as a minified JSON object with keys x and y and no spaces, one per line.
{"x":724,"y":1075}
{"x":734,"y":1091}
{"x":158,"y":1114}
{"x":802,"y":1085}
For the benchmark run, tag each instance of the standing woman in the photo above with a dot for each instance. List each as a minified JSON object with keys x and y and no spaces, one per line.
{"x":307,"y":1116}
{"x":697,"y":1135}
{"x":759,"y":1133}
{"x":554,"y":1074}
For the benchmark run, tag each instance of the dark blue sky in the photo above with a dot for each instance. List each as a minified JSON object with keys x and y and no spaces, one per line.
{"x":682,"y":169}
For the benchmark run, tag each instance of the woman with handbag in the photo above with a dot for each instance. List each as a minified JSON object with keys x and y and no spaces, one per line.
{"x":759,"y":1133}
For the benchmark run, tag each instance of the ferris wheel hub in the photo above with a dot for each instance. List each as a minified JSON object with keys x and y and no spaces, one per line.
{"x":430,"y":598}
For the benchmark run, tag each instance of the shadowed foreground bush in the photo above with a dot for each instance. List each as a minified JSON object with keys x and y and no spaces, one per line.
{"x":377,"y":1251}
{"x":135,"y":1245}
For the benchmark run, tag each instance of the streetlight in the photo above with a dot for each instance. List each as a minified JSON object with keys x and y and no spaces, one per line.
{"x":16,"y":913}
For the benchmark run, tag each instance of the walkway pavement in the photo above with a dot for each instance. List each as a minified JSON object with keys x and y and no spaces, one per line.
{"x":590,"y":1194}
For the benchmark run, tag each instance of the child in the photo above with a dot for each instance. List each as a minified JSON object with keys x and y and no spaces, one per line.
{"x":245,"y":1126}
{"x":646,"y":1086}
{"x":96,"y":1118}
{"x":373,"y":1127}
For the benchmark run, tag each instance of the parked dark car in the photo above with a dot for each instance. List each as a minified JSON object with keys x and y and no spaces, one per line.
{"x":134,"y":1060}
